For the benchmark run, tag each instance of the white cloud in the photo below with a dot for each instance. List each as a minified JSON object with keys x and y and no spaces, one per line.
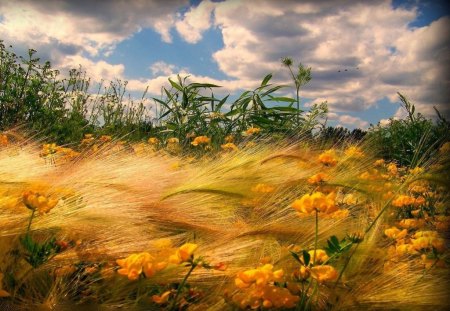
{"x":360,"y":52}
{"x":162,"y":68}
{"x":93,"y":27}
{"x":195,"y":22}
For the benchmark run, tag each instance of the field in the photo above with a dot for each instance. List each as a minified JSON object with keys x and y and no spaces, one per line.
{"x":257,"y":207}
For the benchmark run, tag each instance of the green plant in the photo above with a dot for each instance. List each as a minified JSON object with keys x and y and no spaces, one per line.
{"x":410,"y":141}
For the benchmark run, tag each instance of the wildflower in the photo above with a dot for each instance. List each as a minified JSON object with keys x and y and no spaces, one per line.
{"x":328,"y":158}
{"x":318,"y":178}
{"x":163,"y":298}
{"x":392,"y":169}
{"x":324,"y":273}
{"x":252,"y":130}
{"x":35,"y":201}
{"x":432,"y":262}
{"x":320,"y":255}
{"x":3,"y":293}
{"x":136,"y":264}
{"x":307,"y":204}
{"x":105,"y":138}
{"x":403,"y":200}
{"x":184,"y":253}
{"x":354,"y":152}
{"x":395,"y":233}
{"x":379,"y":162}
{"x":411,"y":223}
{"x":229,"y":147}
{"x":229,"y":139}
{"x":3,"y":140}
{"x":259,"y":276}
{"x":201,"y":140}
{"x":263,"y":188}
{"x":173,"y":140}
{"x":153,"y":141}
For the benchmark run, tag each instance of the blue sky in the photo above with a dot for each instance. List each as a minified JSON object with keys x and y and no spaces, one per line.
{"x":361,"y":52}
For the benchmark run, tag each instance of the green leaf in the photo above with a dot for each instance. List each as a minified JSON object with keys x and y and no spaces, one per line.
{"x":306,"y":257}
{"x":176,"y":85}
{"x":266,"y":79}
{"x":282,"y":99}
{"x":295,"y":255}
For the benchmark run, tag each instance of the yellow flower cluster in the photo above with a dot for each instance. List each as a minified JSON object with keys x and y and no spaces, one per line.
{"x":328,"y":158}
{"x":323,"y":203}
{"x":134,"y":265}
{"x":153,"y":141}
{"x":173,"y":140}
{"x":144,"y":263}
{"x":229,"y":139}
{"x":3,"y":140}
{"x":419,"y":243}
{"x":403,"y":200}
{"x":229,"y":147}
{"x":253,"y":130}
{"x":183,"y":254}
{"x":392,"y":169}
{"x":53,"y":149}
{"x":36,"y":201}
{"x":318,"y":178}
{"x":354,"y":152}
{"x":201,"y":140}
{"x":260,"y":291}
{"x":324,"y":273}
{"x":395,"y":233}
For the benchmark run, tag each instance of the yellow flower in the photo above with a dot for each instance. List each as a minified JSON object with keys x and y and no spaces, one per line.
{"x":105,"y":138}
{"x":395,"y":233}
{"x":201,"y":140}
{"x":411,"y":223}
{"x":36,"y":201}
{"x":136,"y":264}
{"x":173,"y":140}
{"x":354,"y":152}
{"x":307,"y":204}
{"x":252,"y":130}
{"x":3,"y":140}
{"x":321,"y":256}
{"x":318,"y":178}
{"x":153,"y":141}
{"x":392,"y":169}
{"x":379,"y":162}
{"x":403,"y":200}
{"x":229,"y":139}
{"x":229,"y":147}
{"x":259,"y":276}
{"x":162,"y":298}
{"x":324,"y":273}
{"x":328,"y":158}
{"x":3,"y":293}
{"x":184,"y":253}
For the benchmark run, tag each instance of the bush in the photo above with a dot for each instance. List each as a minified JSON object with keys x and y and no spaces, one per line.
{"x":410,"y":141}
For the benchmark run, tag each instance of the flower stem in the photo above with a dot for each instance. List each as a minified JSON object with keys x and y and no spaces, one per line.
{"x":317,"y":235}
{"x":31,"y":219}
{"x":180,"y":287}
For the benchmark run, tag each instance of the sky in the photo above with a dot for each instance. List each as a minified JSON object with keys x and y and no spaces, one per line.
{"x":361,"y":52}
